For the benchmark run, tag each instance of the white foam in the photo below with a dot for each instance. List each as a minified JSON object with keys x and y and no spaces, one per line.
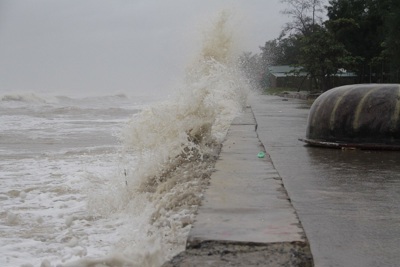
{"x":174,"y":145}
{"x":73,"y":196}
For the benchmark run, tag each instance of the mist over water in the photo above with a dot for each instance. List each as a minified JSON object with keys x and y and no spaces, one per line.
{"x":134,"y":199}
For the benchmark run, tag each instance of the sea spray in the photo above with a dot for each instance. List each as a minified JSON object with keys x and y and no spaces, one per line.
{"x":168,"y":155}
{"x":177,"y":141}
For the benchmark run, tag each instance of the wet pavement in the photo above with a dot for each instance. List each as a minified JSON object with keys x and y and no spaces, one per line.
{"x":348,"y":201}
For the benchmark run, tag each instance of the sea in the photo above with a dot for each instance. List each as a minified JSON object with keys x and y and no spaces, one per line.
{"x":113,"y":180}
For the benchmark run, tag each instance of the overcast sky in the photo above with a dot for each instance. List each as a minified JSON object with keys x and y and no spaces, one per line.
{"x":116,"y":46}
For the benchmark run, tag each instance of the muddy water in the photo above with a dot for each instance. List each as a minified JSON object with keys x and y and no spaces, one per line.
{"x":348,"y":201}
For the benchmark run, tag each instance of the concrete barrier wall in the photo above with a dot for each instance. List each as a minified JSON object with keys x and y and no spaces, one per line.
{"x":246,"y":218}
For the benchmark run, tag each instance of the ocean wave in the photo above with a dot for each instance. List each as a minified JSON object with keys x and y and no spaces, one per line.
{"x":24,"y":97}
{"x":118,"y":97}
{"x":174,"y":144}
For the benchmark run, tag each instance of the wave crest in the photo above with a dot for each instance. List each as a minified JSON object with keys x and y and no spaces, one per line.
{"x":177,"y":142}
{"x":27,"y":97}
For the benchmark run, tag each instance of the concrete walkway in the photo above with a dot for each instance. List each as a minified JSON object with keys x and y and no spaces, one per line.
{"x":246,"y":218}
{"x":348,"y":201}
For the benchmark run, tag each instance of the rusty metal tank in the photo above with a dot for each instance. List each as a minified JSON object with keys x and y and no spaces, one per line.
{"x":365,"y":116}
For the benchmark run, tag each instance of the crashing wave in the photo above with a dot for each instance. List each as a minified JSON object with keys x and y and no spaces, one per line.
{"x":28,"y":98}
{"x":170,"y":149}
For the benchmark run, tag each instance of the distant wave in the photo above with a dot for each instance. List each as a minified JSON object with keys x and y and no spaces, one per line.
{"x":119,"y":100}
{"x":25,"y":97}
{"x":104,"y":98}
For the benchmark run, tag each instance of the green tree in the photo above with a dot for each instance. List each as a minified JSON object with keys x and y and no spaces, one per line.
{"x":322,"y":56}
{"x":314,"y":48}
{"x":392,"y":40}
{"x":281,"y":51}
{"x":369,"y":30}
{"x":285,"y":49}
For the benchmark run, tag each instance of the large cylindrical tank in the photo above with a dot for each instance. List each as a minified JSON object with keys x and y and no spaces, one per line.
{"x":362,"y":115}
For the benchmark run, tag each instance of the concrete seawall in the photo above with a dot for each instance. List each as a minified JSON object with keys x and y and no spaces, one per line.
{"x":246,"y":217}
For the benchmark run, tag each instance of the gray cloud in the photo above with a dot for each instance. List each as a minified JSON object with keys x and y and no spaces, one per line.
{"x":112,"y":46}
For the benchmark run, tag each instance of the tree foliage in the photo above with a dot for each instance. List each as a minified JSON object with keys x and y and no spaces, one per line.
{"x":373,"y":37}
{"x":362,"y":36}
{"x":358,"y":26}
{"x":391,"y":45}
{"x":306,"y":42}
{"x":281,"y":51}
{"x":322,"y":56}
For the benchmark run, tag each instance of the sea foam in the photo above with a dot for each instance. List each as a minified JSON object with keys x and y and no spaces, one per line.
{"x":169,"y":151}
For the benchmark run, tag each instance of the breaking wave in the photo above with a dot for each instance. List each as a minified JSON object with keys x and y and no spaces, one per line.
{"x":168,"y":155}
{"x":23,"y":97}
